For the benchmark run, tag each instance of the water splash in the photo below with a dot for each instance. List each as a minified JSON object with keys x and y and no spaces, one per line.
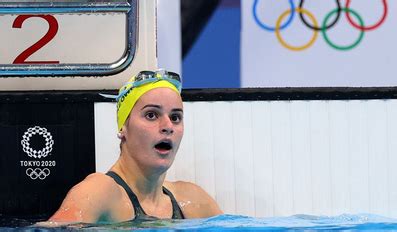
{"x":232,"y":223}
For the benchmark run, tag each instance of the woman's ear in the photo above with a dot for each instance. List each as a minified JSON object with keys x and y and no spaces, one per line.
{"x":120,"y":135}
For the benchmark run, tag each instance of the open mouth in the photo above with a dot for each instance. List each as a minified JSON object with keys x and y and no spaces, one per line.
{"x":164,"y":146}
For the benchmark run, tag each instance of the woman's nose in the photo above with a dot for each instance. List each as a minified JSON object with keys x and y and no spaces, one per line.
{"x":166,"y":126}
{"x":167,"y":131}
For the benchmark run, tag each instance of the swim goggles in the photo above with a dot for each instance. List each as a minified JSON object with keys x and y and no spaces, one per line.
{"x":145,"y":77}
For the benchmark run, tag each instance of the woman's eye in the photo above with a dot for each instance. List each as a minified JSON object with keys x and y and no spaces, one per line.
{"x":151,"y":115}
{"x":176,"y":117}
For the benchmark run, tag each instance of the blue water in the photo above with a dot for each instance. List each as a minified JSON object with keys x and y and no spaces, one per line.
{"x":344,"y":222}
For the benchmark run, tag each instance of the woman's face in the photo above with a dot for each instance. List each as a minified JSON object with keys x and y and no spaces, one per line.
{"x":154,"y":129}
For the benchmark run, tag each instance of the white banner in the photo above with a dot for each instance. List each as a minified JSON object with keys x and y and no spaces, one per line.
{"x":355,"y":48}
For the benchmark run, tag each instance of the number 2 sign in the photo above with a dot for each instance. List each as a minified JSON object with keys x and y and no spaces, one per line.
{"x":67,"y":39}
{"x":52,"y":31}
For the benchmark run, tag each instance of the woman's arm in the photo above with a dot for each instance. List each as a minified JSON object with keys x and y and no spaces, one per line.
{"x":194,"y":201}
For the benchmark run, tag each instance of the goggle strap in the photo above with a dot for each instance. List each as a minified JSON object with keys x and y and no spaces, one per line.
{"x":176,"y":83}
{"x":109,"y":96}
{"x":117,"y":97}
{"x":134,"y":84}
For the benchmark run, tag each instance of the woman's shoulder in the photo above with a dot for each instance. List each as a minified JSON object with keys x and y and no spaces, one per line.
{"x":100,"y":188}
{"x":184,"y":189}
{"x":92,"y":197}
{"x":194,"y":201}
{"x":99,"y":177}
{"x":96,"y":183}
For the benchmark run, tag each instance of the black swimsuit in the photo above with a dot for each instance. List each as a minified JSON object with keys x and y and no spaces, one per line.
{"x":139,"y":212}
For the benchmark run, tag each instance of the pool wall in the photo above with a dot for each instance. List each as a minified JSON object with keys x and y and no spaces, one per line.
{"x":278,"y":158}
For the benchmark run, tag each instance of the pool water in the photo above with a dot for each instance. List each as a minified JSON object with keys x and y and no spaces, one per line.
{"x":344,"y":222}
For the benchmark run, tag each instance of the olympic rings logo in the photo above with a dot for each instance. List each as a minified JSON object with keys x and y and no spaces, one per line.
{"x":49,"y":142}
{"x":37,"y":173}
{"x":325,"y":25}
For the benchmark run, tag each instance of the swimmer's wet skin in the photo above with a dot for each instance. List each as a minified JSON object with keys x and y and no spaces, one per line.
{"x":150,"y":127}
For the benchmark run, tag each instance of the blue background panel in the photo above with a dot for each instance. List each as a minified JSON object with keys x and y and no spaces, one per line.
{"x":214,"y":59}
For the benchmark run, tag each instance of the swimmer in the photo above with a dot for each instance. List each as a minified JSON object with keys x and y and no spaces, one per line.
{"x":150,"y":127}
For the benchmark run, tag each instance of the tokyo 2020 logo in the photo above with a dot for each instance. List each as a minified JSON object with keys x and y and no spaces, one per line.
{"x":46,"y":136}
{"x":309,"y":20}
{"x":36,"y":168}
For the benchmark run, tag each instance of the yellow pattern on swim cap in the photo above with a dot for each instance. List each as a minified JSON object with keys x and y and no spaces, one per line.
{"x":127,"y":102}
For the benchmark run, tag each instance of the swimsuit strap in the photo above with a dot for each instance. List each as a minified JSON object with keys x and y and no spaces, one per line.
{"x":139,"y":212}
{"x":176,"y":210}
